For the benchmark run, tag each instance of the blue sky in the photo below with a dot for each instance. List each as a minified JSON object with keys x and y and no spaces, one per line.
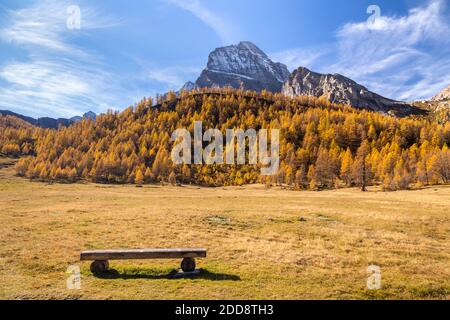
{"x":125,"y":50}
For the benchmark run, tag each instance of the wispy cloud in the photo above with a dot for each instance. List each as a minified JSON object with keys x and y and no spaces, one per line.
{"x":44,"y":26}
{"x":402,"y":57}
{"x":306,"y":57}
{"x":165,"y":78}
{"x":406,"y":54}
{"x":57,"y":77}
{"x":57,"y":87}
{"x":223,"y":27}
{"x":172,"y":77}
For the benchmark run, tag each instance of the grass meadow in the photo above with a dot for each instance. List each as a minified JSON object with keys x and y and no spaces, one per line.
{"x":262,"y":243}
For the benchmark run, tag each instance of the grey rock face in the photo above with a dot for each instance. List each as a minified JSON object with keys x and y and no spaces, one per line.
{"x":444,"y":95}
{"x":339,"y":89}
{"x":243,"y":66}
{"x":188,"y":86}
{"x":90,"y":115}
{"x":439,"y":102}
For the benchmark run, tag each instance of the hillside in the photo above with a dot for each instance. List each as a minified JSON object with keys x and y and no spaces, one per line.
{"x":9,"y":121}
{"x":17,"y":136}
{"x":322,"y":145}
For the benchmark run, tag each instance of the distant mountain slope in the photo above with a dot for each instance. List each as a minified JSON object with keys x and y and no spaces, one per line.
{"x":89,"y":115}
{"x":188,"y":86}
{"x":438,"y":106}
{"x":242,"y":66}
{"x":47,"y":122}
{"x":339,"y":89}
{"x":444,"y":95}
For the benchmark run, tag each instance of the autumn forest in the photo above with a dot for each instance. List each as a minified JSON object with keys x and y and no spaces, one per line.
{"x":322,"y":145}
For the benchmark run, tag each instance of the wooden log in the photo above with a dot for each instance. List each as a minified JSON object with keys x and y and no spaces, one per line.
{"x":188,"y":265}
{"x":142,"y":254}
{"x":99,"y":266}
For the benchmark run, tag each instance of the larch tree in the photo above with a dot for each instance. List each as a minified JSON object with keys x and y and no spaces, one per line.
{"x":361,"y":170}
{"x":139,"y":177}
{"x":346,"y":167}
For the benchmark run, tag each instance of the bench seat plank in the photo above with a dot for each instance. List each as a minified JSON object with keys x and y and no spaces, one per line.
{"x":142,"y":254}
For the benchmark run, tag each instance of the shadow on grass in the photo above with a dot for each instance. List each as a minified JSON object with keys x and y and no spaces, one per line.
{"x":149,"y":274}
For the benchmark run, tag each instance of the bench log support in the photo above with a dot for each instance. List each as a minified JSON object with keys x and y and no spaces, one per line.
{"x":188,"y":264}
{"x":99,"y":266}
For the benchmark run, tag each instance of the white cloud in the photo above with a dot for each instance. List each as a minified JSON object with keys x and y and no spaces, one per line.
{"x":223,"y":28}
{"x":54,"y":87}
{"x":403,"y":54}
{"x":57,"y":78}
{"x":44,"y":25}
{"x":166,"y":78}
{"x":392,"y":40}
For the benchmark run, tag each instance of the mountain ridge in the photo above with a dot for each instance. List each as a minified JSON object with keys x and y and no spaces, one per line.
{"x":48,"y":122}
{"x":246,"y":66}
{"x":340,"y":89}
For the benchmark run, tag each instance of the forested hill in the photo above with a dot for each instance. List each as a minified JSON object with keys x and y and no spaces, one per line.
{"x":322,"y":145}
{"x":17,"y":136}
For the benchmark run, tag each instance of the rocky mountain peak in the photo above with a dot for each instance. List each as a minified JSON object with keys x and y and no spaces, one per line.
{"x":90,"y":115}
{"x":243,"y":66}
{"x":444,"y":95}
{"x":340,"y":89}
{"x":440,"y":102}
{"x":251,"y":47}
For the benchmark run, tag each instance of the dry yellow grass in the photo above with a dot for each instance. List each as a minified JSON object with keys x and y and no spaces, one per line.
{"x":262,"y":244}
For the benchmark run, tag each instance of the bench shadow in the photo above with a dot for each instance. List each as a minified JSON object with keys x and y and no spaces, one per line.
{"x":150,"y":274}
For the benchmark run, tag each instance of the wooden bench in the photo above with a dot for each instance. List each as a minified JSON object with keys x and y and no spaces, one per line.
{"x":101,"y":257}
